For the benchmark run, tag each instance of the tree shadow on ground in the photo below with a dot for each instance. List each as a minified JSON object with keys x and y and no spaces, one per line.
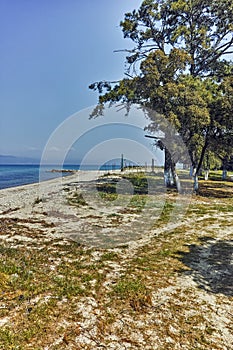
{"x":215,"y":189}
{"x":211,"y":265}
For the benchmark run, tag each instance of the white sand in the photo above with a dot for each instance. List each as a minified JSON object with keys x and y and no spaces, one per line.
{"x":24,"y":196}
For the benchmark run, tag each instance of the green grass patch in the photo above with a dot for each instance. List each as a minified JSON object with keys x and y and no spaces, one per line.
{"x":128,"y":288}
{"x":76,"y":199}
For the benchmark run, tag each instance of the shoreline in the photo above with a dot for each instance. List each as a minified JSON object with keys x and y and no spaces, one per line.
{"x":71,"y":207}
{"x":41,"y":176}
{"x":17,"y":175}
{"x":35,"y":199}
{"x":58,"y":178}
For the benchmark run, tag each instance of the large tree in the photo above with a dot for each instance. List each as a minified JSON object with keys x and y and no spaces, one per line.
{"x":178,"y":67}
{"x":222,"y":142}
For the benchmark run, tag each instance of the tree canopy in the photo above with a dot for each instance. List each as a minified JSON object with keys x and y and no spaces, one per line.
{"x":179,"y":66}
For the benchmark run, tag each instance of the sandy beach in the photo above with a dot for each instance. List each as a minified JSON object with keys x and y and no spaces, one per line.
{"x":47,"y":201}
{"x":96,"y":222}
{"x":25,"y":196}
{"x":128,"y":285}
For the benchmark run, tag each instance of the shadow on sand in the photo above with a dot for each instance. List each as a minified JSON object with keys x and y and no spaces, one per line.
{"x":211,"y":265}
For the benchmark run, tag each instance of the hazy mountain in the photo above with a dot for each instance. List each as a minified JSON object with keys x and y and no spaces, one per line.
{"x":9,"y":159}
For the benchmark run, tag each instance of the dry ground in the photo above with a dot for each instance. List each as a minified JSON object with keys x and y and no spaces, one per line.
{"x":170,"y":289}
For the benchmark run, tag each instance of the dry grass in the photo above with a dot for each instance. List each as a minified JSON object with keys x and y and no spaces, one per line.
{"x":174,"y":292}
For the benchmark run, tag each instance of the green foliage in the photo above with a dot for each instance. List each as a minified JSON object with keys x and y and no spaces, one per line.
{"x":177,"y":68}
{"x":76,"y":199}
{"x":202,"y":28}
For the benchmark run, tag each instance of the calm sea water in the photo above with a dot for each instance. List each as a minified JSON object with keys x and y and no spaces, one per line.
{"x":17,"y":175}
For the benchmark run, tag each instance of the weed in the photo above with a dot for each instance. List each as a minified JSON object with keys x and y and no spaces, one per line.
{"x":37,"y":200}
{"x":128,"y":288}
{"x":76,"y":199}
{"x":108,"y":196}
{"x":109,"y":256}
{"x":8,"y":340}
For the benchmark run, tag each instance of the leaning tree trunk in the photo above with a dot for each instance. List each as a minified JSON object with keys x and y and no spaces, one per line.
{"x":196,"y":174}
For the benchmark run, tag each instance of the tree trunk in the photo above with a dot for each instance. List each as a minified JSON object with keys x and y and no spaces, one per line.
{"x":177,"y":181}
{"x":207,"y":174}
{"x":207,"y":167}
{"x":224,"y":168}
{"x":193,"y":170}
{"x":201,"y":158}
{"x":170,"y":176}
{"x":173,"y":172}
{"x":196,"y":185}
{"x":169,"y":169}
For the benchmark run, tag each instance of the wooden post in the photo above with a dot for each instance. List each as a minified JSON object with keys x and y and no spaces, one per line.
{"x":122,"y":162}
{"x":153,"y":165}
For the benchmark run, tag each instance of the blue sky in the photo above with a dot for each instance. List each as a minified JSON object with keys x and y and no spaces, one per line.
{"x":50,"y":52}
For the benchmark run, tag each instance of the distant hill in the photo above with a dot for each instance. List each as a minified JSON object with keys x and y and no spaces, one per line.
{"x":9,"y":159}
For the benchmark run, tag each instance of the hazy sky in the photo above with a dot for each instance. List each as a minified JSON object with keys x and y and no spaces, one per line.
{"x":51,"y":50}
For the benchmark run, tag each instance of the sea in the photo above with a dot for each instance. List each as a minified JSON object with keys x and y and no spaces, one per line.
{"x":23,"y":174}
